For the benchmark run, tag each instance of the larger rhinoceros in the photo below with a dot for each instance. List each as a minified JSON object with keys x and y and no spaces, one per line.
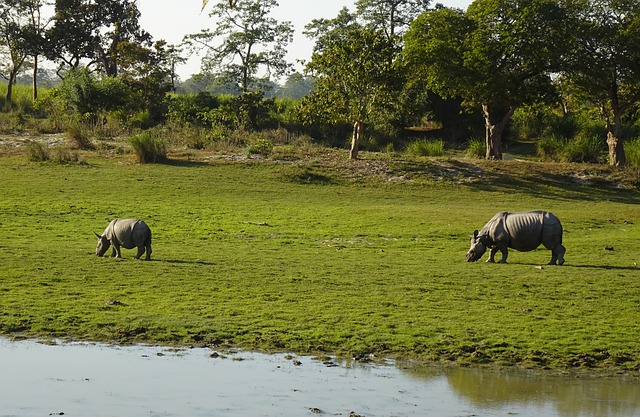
{"x":126,"y":233}
{"x":522,"y":231}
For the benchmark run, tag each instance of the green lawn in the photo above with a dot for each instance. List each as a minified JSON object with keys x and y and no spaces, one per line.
{"x":319,"y":258}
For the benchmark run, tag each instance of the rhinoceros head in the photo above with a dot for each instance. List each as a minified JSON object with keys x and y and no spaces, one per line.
{"x":478,"y":247}
{"x":103,"y":245}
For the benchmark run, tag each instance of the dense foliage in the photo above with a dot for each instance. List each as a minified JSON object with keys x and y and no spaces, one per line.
{"x":564,"y":74}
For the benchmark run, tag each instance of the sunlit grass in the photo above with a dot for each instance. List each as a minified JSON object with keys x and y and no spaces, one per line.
{"x":253,"y":256}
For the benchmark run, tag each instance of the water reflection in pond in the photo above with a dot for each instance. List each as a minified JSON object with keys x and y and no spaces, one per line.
{"x":98,"y":380}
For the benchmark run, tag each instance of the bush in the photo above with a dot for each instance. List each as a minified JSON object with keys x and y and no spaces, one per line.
{"x":63,"y":154}
{"x":148,"y":149}
{"x":550,"y":148}
{"x":78,"y":137}
{"x":582,"y":148}
{"x":260,"y":147}
{"x":476,"y":148}
{"x":632,"y":150}
{"x":425,"y":147}
{"x":37,"y":152}
{"x":585,"y":148}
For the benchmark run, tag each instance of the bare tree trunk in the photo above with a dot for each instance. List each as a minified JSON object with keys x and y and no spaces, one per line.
{"x":34,"y":80}
{"x":9,"y":96}
{"x":355,"y":141}
{"x":494,"y":130}
{"x":617,"y":156}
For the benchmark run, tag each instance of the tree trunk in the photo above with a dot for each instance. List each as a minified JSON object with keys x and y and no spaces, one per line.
{"x":495,"y":126}
{"x":34,"y":80}
{"x":355,"y":141}
{"x":617,"y":156}
{"x":9,"y":96}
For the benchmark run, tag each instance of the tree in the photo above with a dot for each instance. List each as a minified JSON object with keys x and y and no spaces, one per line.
{"x":392,"y":17}
{"x":244,"y":42}
{"x":20,"y":29}
{"x":93,"y":30}
{"x":604,"y":64}
{"x":296,"y":86}
{"x":148,"y":72}
{"x":498,"y":55}
{"x":352,"y":76}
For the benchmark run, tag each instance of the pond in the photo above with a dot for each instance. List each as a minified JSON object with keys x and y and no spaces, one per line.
{"x":79,"y":379}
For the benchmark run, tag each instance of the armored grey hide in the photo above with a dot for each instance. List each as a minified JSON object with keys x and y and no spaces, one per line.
{"x":125,"y":233}
{"x":522,"y":231}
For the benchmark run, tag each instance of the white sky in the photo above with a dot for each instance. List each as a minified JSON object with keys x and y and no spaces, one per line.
{"x":171,"y":21}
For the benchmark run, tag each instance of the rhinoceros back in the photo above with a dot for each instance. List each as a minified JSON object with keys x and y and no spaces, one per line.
{"x":128,"y":232}
{"x":525,"y":229}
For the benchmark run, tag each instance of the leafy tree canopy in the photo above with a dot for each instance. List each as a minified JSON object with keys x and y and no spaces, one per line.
{"x":245,"y":43}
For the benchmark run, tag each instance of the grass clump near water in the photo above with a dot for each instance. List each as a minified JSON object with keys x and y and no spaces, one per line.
{"x":330,"y":257}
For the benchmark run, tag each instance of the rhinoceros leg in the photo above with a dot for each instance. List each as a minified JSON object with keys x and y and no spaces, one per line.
{"x":503,"y":249}
{"x":557,"y":255}
{"x":148,"y":248}
{"x":492,"y":254}
{"x":115,"y":252}
{"x":140,"y":252}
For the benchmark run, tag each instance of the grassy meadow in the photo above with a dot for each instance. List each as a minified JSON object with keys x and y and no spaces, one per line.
{"x":319,"y":256}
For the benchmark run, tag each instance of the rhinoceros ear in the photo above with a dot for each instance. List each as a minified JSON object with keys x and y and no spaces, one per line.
{"x":475,"y":233}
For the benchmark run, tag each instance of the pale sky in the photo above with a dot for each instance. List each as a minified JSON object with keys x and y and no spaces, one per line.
{"x":171,"y":20}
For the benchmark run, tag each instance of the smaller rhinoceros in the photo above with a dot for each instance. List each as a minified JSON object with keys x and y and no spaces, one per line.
{"x":126,"y":233}
{"x":522,"y":231}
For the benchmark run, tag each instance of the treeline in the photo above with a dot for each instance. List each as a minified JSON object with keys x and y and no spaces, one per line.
{"x":562,"y":73}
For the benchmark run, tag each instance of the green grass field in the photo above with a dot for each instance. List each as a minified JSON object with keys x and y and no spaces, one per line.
{"x":309,"y":257}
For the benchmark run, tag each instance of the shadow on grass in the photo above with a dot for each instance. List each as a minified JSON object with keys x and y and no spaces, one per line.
{"x":183,"y":262}
{"x":582,"y":266}
{"x":181,"y":163}
{"x":579,"y":183}
{"x":607,"y":267}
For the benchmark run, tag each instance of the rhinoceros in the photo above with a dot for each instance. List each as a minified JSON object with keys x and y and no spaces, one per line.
{"x":522,"y":231}
{"x":126,"y":233}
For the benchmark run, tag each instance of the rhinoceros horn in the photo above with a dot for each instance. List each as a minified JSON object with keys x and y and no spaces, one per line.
{"x":97,"y":235}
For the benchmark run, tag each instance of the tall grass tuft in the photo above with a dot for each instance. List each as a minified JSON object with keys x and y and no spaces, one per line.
{"x":78,"y":136}
{"x":550,"y":148}
{"x":632,"y":150}
{"x":423,"y":147}
{"x":582,"y":148}
{"x":37,"y":152}
{"x":149,"y":149}
{"x":585,"y":148}
{"x":476,"y":148}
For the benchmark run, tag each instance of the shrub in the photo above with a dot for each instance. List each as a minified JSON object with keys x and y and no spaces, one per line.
{"x":632,"y":150}
{"x":63,"y":154}
{"x":260,"y":147}
{"x":37,"y":152}
{"x":425,"y":147}
{"x":78,"y":137}
{"x":476,"y":148}
{"x":550,"y":148}
{"x":148,"y":149}
{"x":584,"y":148}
